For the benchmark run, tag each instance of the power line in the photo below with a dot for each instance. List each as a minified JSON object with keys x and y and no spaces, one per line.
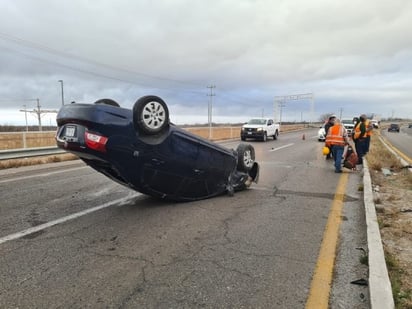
{"x":60,"y":53}
{"x":89,"y":72}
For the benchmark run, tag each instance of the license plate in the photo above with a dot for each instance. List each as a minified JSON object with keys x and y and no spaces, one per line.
{"x":70,"y":131}
{"x":250,"y":133}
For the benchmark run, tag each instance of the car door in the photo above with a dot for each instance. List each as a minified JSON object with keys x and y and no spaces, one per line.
{"x":271,"y":127}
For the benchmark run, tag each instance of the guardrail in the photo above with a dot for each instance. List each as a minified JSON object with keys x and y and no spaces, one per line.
{"x":29,"y":152}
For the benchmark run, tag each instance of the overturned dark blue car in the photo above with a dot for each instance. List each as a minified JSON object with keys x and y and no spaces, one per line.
{"x":142,"y":150}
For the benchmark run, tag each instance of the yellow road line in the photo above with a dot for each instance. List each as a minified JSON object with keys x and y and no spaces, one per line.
{"x":322,"y":278}
{"x":400,"y":153}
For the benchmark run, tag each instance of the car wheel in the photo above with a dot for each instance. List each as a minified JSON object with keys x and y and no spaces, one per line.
{"x":275,"y":136}
{"x":107,"y":102}
{"x":243,"y":138}
{"x":245,"y":157}
{"x":150,"y":115}
{"x":265,"y":137}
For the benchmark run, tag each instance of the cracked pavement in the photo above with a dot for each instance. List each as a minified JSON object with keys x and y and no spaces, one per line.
{"x":257,"y":249}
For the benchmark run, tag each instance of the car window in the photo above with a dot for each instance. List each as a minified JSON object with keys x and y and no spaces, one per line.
{"x":257,"y":121}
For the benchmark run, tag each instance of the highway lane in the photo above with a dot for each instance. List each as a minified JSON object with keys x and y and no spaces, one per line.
{"x":256,"y":249}
{"x":401,"y":140}
{"x":49,"y":192}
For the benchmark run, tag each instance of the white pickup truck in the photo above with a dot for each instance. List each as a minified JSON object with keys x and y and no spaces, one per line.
{"x":349,"y":125}
{"x":260,"y":128}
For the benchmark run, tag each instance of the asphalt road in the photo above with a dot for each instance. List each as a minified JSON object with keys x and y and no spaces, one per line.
{"x":401,"y":140}
{"x":257,"y":249}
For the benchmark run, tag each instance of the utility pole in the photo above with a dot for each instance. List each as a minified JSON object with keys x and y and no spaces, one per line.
{"x":340,"y":114}
{"x":39,"y":115}
{"x":61,"y":82}
{"x":210,"y":108}
{"x":25,"y":117}
{"x":38,"y":112}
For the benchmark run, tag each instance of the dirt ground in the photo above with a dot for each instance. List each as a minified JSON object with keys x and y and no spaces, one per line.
{"x":393,"y":200}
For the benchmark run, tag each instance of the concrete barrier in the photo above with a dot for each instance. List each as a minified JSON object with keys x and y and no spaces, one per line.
{"x":380,"y":289}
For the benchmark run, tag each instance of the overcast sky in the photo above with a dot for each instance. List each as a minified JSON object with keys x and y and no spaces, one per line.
{"x":354,"y":56}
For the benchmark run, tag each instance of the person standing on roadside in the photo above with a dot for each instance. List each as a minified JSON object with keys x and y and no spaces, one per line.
{"x":330,"y":123}
{"x":336,"y":139}
{"x":369,"y":130}
{"x":360,"y":138}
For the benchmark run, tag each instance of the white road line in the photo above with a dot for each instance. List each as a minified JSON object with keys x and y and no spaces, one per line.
{"x":14,"y":236}
{"x":42,"y":175}
{"x":281,"y":147}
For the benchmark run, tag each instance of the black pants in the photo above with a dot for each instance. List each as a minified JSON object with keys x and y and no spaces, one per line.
{"x":361,"y":148}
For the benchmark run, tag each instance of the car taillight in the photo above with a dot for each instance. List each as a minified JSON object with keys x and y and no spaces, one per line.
{"x":95,"y":141}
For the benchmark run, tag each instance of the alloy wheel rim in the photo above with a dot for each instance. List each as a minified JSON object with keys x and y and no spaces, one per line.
{"x":247,"y":158}
{"x":154,"y":115}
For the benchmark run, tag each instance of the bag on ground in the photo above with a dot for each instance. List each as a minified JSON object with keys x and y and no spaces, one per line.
{"x":351,"y":158}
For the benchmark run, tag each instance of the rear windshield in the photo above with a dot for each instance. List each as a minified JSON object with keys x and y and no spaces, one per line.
{"x":347,"y":121}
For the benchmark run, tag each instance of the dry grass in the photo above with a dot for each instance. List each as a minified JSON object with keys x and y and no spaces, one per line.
{"x":222,"y":133}
{"x":36,"y":160}
{"x":18,"y":140}
{"x":409,"y":180}
{"x":380,"y":157}
{"x":395,"y":224}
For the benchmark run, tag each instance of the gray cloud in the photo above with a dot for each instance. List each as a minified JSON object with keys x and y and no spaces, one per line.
{"x":353,"y":55}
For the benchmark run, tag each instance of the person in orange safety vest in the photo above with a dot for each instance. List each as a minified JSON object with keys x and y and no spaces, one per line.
{"x":329,"y":124}
{"x":361,"y":136}
{"x":369,"y":130}
{"x":336,"y":139}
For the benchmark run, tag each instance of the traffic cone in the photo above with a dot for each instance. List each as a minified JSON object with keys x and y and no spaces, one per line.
{"x":303,"y":136}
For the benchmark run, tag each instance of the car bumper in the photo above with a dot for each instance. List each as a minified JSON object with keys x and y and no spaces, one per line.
{"x":257,"y":134}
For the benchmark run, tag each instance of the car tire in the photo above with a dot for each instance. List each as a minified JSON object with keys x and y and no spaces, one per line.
{"x":107,"y":102}
{"x":245,"y":157}
{"x":150,"y":115}
{"x":243,"y":138}
{"x":275,"y":136}
{"x":265,"y":137}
